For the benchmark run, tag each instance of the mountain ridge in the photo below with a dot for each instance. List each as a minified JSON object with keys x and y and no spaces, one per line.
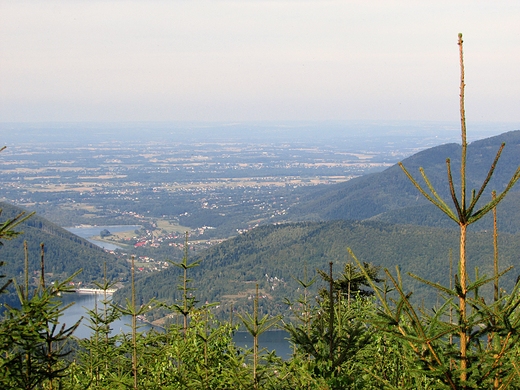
{"x":372,"y":196}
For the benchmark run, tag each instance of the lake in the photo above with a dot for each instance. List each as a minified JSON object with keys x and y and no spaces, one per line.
{"x":272,"y":340}
{"x":82,"y":304}
{"x":87,"y":232}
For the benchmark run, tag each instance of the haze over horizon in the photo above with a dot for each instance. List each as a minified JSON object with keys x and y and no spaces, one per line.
{"x":278,"y":60}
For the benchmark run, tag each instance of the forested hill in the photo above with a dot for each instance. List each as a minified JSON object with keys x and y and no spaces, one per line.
{"x":65,"y":253}
{"x":389,"y":195}
{"x":274,"y":255}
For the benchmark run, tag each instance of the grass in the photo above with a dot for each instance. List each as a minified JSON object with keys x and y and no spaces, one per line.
{"x":164,"y":224}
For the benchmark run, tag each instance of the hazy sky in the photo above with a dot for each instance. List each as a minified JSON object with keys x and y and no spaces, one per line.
{"x":245,"y":60}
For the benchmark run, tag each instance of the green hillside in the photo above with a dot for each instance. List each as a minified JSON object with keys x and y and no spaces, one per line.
{"x":272,"y":255}
{"x":65,"y":253}
{"x":389,"y":196}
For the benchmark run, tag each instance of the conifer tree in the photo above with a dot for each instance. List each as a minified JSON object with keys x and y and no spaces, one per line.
{"x":188,"y":302}
{"x":429,"y":335}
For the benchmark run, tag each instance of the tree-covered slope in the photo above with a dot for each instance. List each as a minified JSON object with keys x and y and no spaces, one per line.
{"x":65,"y":253}
{"x":274,"y":255}
{"x":390,"y":192}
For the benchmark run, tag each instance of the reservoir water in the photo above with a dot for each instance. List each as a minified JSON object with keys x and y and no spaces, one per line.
{"x":87,"y":232}
{"x":272,"y":340}
{"x":82,"y":304}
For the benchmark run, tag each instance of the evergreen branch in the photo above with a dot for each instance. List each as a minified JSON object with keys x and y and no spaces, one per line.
{"x":458,"y":287}
{"x":371,"y":282}
{"x":472,"y":196}
{"x":387,"y":384}
{"x":248,"y":322}
{"x":410,"y":339}
{"x":6,"y":228}
{"x":435,"y":285}
{"x":19,"y":292}
{"x":509,"y":379}
{"x":305,"y":284}
{"x":452,"y":193}
{"x":267,"y":323}
{"x":449,"y":330}
{"x":517,"y":372}
{"x":7,"y":283}
{"x":481,"y":314}
{"x":512,"y":303}
{"x":478,"y":283}
{"x":399,"y":279}
{"x":447,"y":211}
{"x":386,"y":319}
{"x":438,"y":313}
{"x":486,"y":181}
{"x":419,"y":327}
{"x":445,"y":207}
{"x":498,"y":356}
{"x":399,"y":308}
{"x":488,"y":207}
{"x":412,"y":314}
{"x":185,"y":265}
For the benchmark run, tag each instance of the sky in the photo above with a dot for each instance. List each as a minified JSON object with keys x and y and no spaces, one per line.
{"x":254,"y":60}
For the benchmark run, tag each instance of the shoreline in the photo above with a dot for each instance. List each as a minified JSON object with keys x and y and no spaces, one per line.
{"x":95,"y":291}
